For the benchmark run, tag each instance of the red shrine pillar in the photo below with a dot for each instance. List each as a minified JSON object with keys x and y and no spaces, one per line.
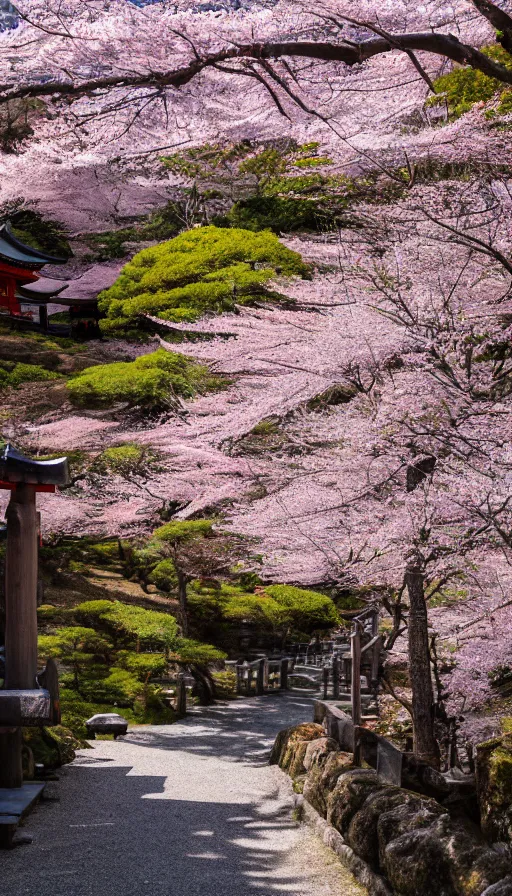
{"x":20,"y":617}
{"x":24,"y":478}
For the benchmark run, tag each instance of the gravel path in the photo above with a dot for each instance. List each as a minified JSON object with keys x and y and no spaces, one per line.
{"x":191,"y":809}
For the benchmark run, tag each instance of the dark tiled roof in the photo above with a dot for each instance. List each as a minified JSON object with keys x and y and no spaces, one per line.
{"x":43,"y":288}
{"x":16,"y":252}
{"x":15,"y":467}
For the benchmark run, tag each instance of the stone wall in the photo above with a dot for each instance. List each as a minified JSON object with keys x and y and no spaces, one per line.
{"x":405,"y":842}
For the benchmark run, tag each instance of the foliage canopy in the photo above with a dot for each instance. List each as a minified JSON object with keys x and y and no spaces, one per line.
{"x":463,"y":87}
{"x":205,"y":269}
{"x":276,"y":607}
{"x":150,"y":381}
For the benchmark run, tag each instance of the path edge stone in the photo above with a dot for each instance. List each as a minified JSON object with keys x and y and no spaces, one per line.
{"x":331,"y":838}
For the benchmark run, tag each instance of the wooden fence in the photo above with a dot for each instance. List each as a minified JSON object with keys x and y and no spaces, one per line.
{"x":260,"y":676}
{"x":344,"y":669}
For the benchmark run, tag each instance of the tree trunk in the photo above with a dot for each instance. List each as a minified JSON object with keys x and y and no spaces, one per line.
{"x":205,"y":684}
{"x":425,"y":744}
{"x":182,"y":597}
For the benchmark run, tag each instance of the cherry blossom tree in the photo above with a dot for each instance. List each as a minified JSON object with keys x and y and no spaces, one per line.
{"x":294,"y":56}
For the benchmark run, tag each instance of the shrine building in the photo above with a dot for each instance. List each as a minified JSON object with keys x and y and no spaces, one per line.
{"x":30,"y":300}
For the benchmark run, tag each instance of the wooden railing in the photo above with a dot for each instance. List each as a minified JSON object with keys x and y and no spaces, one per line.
{"x":345,"y":668}
{"x":260,"y":676}
{"x":350,"y":665}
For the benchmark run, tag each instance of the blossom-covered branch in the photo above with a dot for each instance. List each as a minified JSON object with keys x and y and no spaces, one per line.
{"x":264,"y":53}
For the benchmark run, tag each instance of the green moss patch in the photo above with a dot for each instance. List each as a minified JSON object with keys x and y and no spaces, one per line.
{"x":151,"y":381}
{"x":52,"y":747}
{"x":125,"y":460}
{"x":275,"y":608}
{"x":462,"y":88}
{"x":15,"y":375}
{"x":205,"y":269}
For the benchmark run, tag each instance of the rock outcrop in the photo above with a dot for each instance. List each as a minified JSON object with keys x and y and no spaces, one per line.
{"x":494,"y":784}
{"x":409,"y":839}
{"x":51,"y":747}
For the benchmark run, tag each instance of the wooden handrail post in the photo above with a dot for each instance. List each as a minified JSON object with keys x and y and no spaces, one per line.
{"x":260,"y":678}
{"x":355,"y":688}
{"x":336,"y":677}
{"x":181,"y":695}
{"x":326,"y":681}
{"x":377,"y":647}
{"x":283,"y":676}
{"x":20,"y":617}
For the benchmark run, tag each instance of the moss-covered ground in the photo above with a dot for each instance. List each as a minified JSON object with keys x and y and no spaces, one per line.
{"x":152,"y":381}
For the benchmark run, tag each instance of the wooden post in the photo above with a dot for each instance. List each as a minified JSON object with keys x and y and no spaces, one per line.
{"x":181,"y":695}
{"x":355,"y":687}
{"x":260,"y":678}
{"x":347,"y":671}
{"x":20,"y":617}
{"x":336,"y":677}
{"x":283,"y":677}
{"x":21,"y":589}
{"x":326,"y":681}
{"x":375,"y":665}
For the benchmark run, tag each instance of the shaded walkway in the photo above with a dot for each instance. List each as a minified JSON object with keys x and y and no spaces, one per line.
{"x":180,"y":810}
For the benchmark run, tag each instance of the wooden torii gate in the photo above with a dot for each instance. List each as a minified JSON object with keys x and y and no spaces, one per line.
{"x":26,"y":698}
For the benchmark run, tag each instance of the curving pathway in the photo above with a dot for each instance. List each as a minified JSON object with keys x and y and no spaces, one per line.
{"x":191,"y":809}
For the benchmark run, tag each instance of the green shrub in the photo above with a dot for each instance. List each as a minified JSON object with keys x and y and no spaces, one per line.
{"x":122,"y":459}
{"x":505,"y":104}
{"x":142,"y":665}
{"x":259,"y":608}
{"x":188,"y":651}
{"x":145,"y":627}
{"x":278,"y":213}
{"x":463,"y":87}
{"x":91,"y":611}
{"x":205,"y":269}
{"x":274,"y":608}
{"x":49,"y":613}
{"x":106,"y":551}
{"x":134,"y":625}
{"x":120,"y":687}
{"x":308,"y":609}
{"x":226,"y":684}
{"x":78,"y":647}
{"x":183,"y":530}
{"x":75,"y":711}
{"x":27,"y":373}
{"x":164,"y":576}
{"x":149,"y":381}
